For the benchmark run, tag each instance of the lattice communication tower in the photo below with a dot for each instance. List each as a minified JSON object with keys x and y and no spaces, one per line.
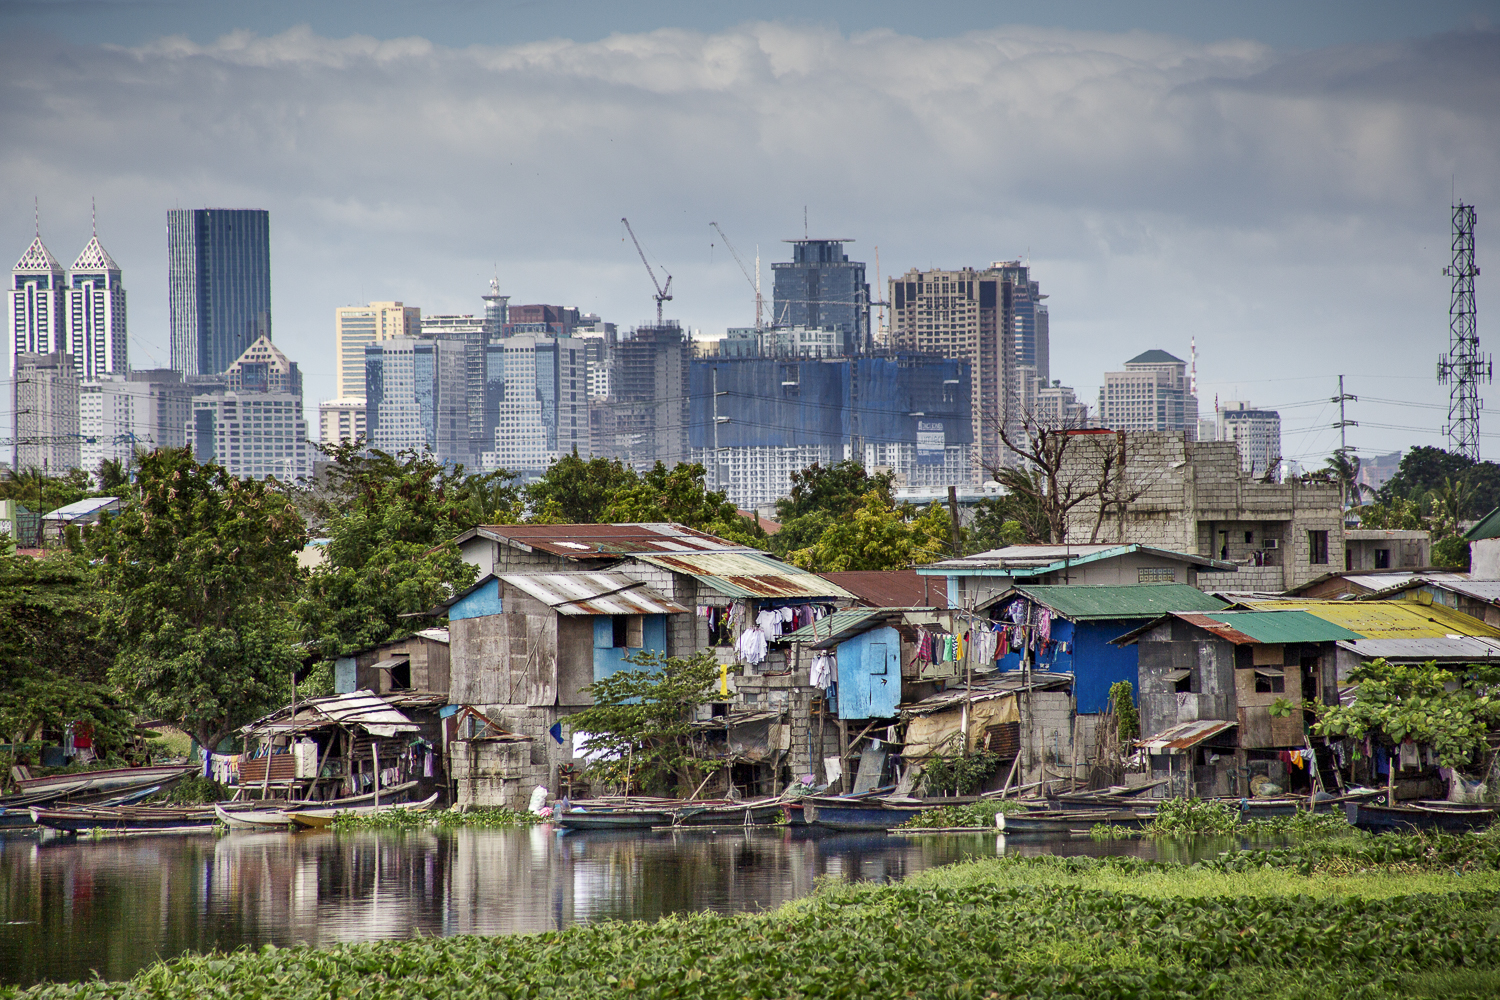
{"x":1463,"y":367}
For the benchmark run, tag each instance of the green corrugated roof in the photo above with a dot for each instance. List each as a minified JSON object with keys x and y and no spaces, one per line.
{"x":1284,"y":626}
{"x":1488,"y":527}
{"x":839,"y":621}
{"x":1081,"y":603}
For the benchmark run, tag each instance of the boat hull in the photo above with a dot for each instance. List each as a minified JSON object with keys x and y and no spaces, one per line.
{"x":615,"y":819}
{"x":1383,"y":819}
{"x":859,"y":815}
{"x":1067,"y":821}
{"x":124,"y":821}
{"x":729,"y":814}
{"x":319,"y":818}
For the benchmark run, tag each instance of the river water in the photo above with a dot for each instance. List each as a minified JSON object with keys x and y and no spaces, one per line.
{"x":70,"y":908}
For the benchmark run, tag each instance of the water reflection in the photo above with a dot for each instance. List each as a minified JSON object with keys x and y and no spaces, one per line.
{"x":72,"y":907}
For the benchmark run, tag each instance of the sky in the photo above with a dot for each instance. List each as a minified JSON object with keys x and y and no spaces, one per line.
{"x":1272,"y":179}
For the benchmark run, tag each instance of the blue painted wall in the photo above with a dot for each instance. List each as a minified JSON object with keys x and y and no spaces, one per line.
{"x":484,"y":601}
{"x":870,"y":675}
{"x":609,"y":659}
{"x":1094,"y":663}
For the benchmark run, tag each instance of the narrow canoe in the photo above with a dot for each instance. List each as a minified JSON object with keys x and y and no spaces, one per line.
{"x":614,"y":819}
{"x":1457,"y":818}
{"x":838,"y":813}
{"x":319,"y":818}
{"x":754,"y":813}
{"x":1067,"y":821}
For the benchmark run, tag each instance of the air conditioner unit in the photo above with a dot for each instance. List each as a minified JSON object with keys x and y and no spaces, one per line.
{"x":1270,"y":543}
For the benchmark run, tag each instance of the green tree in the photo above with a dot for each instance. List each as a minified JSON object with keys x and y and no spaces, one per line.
{"x":197,"y":575}
{"x":878,"y":537}
{"x":680,"y":495}
{"x":1397,"y":515}
{"x":53,"y":668}
{"x":577,"y":491}
{"x":822,"y":495}
{"x":642,"y":720}
{"x":114,"y":475}
{"x":390,"y":521}
{"x":1452,"y":710}
{"x":1342,"y":467}
{"x":1424,"y":472}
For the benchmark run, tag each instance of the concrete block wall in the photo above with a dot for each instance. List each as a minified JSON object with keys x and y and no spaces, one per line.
{"x":1047,"y":718}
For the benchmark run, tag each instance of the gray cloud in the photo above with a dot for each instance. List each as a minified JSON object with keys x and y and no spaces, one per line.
{"x":1290,"y":211}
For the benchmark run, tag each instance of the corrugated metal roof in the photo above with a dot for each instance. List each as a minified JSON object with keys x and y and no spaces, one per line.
{"x":1147,"y":600}
{"x":1468,"y":649}
{"x":82,"y":508}
{"x":371,"y":712}
{"x":1488,"y":527}
{"x":603,"y":541}
{"x":747,"y":574}
{"x":593,"y":594}
{"x":1387,"y":619}
{"x":1185,"y":735}
{"x":900,"y":588}
{"x":1271,"y":626}
{"x":837,"y":626}
{"x":1039,"y":560}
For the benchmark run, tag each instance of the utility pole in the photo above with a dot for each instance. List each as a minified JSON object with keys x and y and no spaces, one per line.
{"x":1343,"y":425}
{"x":1463,"y":367}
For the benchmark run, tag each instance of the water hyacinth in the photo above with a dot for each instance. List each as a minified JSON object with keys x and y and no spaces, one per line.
{"x":443,"y":819}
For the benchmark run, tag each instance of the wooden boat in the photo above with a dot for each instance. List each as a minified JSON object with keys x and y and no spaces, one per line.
{"x":793,"y":814}
{"x":755,"y":812}
{"x":13,"y":819}
{"x":1114,"y":797}
{"x":847,"y":812}
{"x":619,"y":817}
{"x":272,"y":815}
{"x":1452,"y":818}
{"x":1069,"y":821}
{"x":112,"y":780}
{"x":120,"y":820}
{"x":319,"y":818}
{"x":252,"y":819}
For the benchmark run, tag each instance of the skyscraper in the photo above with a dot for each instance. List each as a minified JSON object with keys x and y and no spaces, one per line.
{"x":253,"y":424}
{"x":415,"y":397}
{"x":219,"y":274}
{"x":1028,"y":318}
{"x":119,"y":413}
{"x":645,"y":419}
{"x":96,"y":314}
{"x":537,"y":403}
{"x":1151,"y":394}
{"x":356,"y":327}
{"x":38,"y":313}
{"x":45,"y":403}
{"x":1257,"y":432}
{"x":821,"y":286}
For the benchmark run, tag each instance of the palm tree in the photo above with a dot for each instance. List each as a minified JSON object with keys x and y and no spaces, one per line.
{"x":1343,"y":468}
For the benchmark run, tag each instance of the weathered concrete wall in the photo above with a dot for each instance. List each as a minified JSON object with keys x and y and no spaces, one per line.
{"x":1484,"y":559}
{"x":1181,"y":495}
{"x":490,"y":773}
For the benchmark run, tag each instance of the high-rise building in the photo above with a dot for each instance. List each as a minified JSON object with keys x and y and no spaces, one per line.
{"x":1151,"y":394}
{"x":119,"y":414}
{"x":342,"y":421}
{"x":645,"y":418}
{"x":495,"y":309}
{"x":38,"y":304}
{"x":822,"y":287}
{"x":540,"y":318}
{"x":782,"y":342}
{"x":537,"y":403}
{"x":1256,"y":432}
{"x":357,"y":327}
{"x":97,"y":337}
{"x":1029,"y":329}
{"x":415,"y":397}
{"x":263,"y":368}
{"x":599,"y":340}
{"x":1051,"y":406}
{"x":44,"y":399}
{"x":906,"y":412}
{"x":473,"y":333}
{"x":219,"y":282}
{"x":965,"y":314}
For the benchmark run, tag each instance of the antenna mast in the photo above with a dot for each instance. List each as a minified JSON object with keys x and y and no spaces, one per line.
{"x":663,"y":292}
{"x":1464,"y":368}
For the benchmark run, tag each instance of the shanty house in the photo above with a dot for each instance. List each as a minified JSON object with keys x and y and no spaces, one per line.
{"x":1070,"y":630}
{"x":977,"y":579}
{"x":418,"y":662}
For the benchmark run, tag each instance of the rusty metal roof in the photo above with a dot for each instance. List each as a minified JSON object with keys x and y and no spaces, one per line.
{"x":747,"y":574}
{"x":371,"y":712}
{"x":1387,"y":619}
{"x":593,"y":594}
{"x":1242,"y":627}
{"x":898,"y":588}
{"x":602,"y":541}
{"x":1185,"y":735}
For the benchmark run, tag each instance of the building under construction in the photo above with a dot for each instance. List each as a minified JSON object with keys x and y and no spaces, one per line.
{"x":645,"y":417}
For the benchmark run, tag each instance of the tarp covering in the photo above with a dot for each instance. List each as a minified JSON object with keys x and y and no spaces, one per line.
{"x":928,"y":734}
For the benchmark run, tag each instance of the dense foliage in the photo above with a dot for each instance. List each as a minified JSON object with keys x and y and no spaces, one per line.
{"x":1000,"y":928}
{"x":967,"y":814}
{"x":53,"y":670}
{"x":1453,"y":711}
{"x":1426,"y":472}
{"x":822,"y":495}
{"x":877,"y":536}
{"x":958,"y":773}
{"x":641,"y":721}
{"x":196,"y":576}
{"x":443,"y":819}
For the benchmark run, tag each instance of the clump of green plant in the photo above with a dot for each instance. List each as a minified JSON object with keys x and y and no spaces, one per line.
{"x":445,"y":819}
{"x":194,"y":790}
{"x":1303,"y":825}
{"x":958,"y":773}
{"x":981,"y":814}
{"x":1192,"y":817}
{"x":1122,"y":704}
{"x":1109,"y":831}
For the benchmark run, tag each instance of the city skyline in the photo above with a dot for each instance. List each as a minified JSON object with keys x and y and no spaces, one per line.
{"x":1158,"y":183}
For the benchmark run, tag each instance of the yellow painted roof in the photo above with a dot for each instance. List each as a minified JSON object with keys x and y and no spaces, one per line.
{"x":1387,"y":619}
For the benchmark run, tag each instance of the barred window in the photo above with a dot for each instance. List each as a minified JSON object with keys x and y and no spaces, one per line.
{"x":1156,"y":574}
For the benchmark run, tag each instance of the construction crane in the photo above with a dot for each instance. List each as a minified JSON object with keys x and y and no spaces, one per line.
{"x":663,"y":292}
{"x":755,"y":281}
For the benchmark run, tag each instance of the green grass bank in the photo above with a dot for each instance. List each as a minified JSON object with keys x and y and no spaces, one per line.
{"x":1353,"y":917}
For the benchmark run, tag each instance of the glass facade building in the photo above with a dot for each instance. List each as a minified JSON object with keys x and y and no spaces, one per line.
{"x":219,"y":285}
{"x":822,"y":287}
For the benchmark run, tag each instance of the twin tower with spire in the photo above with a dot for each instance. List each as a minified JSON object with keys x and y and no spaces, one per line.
{"x":79,"y":311}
